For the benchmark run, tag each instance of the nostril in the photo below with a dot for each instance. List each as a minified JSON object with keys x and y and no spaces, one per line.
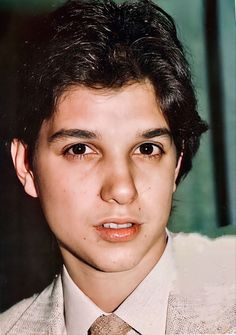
{"x":117,"y":190}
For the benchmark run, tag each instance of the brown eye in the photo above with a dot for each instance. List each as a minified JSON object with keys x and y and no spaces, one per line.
{"x":146,"y":148}
{"x":78,"y":149}
{"x":149,"y":150}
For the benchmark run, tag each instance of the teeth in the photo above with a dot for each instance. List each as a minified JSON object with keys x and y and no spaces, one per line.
{"x":117,"y":226}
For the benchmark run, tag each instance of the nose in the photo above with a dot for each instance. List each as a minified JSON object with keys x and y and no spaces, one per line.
{"x":118,"y":184}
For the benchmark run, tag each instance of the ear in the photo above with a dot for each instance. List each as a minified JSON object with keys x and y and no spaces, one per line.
{"x":19,"y":153}
{"x":177,"y":169}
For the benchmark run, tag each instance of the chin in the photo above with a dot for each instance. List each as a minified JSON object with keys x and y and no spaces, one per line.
{"x":115,"y":267}
{"x":116,"y":264}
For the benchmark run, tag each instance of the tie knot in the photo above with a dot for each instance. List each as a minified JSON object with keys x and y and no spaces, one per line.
{"x":109,"y":324}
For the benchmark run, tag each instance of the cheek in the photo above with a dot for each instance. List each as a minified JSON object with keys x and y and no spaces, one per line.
{"x":159,"y":180}
{"x":66,"y":208}
{"x":57,"y":178}
{"x":159,"y":195}
{"x":156,"y":192}
{"x":65,"y":196}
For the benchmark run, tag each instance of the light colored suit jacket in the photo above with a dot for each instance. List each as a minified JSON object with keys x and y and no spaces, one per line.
{"x":203,"y":300}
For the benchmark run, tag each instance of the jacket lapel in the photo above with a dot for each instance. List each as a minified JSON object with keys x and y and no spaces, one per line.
{"x":201,"y":314}
{"x":56,"y":320}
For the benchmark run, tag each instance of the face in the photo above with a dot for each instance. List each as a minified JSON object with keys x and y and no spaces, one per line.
{"x":105,"y":169}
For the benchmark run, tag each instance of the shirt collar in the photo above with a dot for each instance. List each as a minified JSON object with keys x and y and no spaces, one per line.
{"x":145,"y":309}
{"x":80,"y":311}
{"x":150,"y":295}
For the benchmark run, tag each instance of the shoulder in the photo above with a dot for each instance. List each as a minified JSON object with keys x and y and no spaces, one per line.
{"x":196,"y":240}
{"x":30,"y":316}
{"x":205,"y":287}
{"x":213,"y":260}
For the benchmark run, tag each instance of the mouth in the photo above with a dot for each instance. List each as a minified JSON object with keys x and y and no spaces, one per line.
{"x":118,"y":230}
{"x":113,"y":225}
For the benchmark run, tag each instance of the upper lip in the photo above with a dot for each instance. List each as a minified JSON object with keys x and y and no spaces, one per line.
{"x":118,"y":220}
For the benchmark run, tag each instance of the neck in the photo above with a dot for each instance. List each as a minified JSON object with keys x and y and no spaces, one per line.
{"x":108,"y":289}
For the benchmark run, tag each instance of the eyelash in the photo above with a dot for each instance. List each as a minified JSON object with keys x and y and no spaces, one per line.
{"x":85,"y":155}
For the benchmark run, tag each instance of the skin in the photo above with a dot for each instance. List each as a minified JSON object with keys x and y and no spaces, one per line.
{"x":98,"y":159}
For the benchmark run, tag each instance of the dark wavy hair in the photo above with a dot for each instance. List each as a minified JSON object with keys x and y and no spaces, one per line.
{"x":103,"y":44}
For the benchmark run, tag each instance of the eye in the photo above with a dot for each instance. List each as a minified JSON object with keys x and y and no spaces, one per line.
{"x":79,"y":149}
{"x":149,"y":149}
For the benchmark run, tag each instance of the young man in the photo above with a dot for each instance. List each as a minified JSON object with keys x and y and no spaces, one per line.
{"x":107,"y":128}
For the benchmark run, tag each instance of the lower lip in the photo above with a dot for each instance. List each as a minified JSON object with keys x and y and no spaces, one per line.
{"x":118,"y":235}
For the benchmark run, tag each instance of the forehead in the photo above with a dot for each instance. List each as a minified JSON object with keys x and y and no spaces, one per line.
{"x":130,"y":106}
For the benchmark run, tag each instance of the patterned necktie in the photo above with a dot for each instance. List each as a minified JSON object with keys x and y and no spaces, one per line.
{"x":109,"y":325}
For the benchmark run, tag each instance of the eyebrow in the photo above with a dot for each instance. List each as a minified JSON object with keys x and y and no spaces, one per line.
{"x":87,"y":134}
{"x":77,"y":133}
{"x":150,"y":133}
